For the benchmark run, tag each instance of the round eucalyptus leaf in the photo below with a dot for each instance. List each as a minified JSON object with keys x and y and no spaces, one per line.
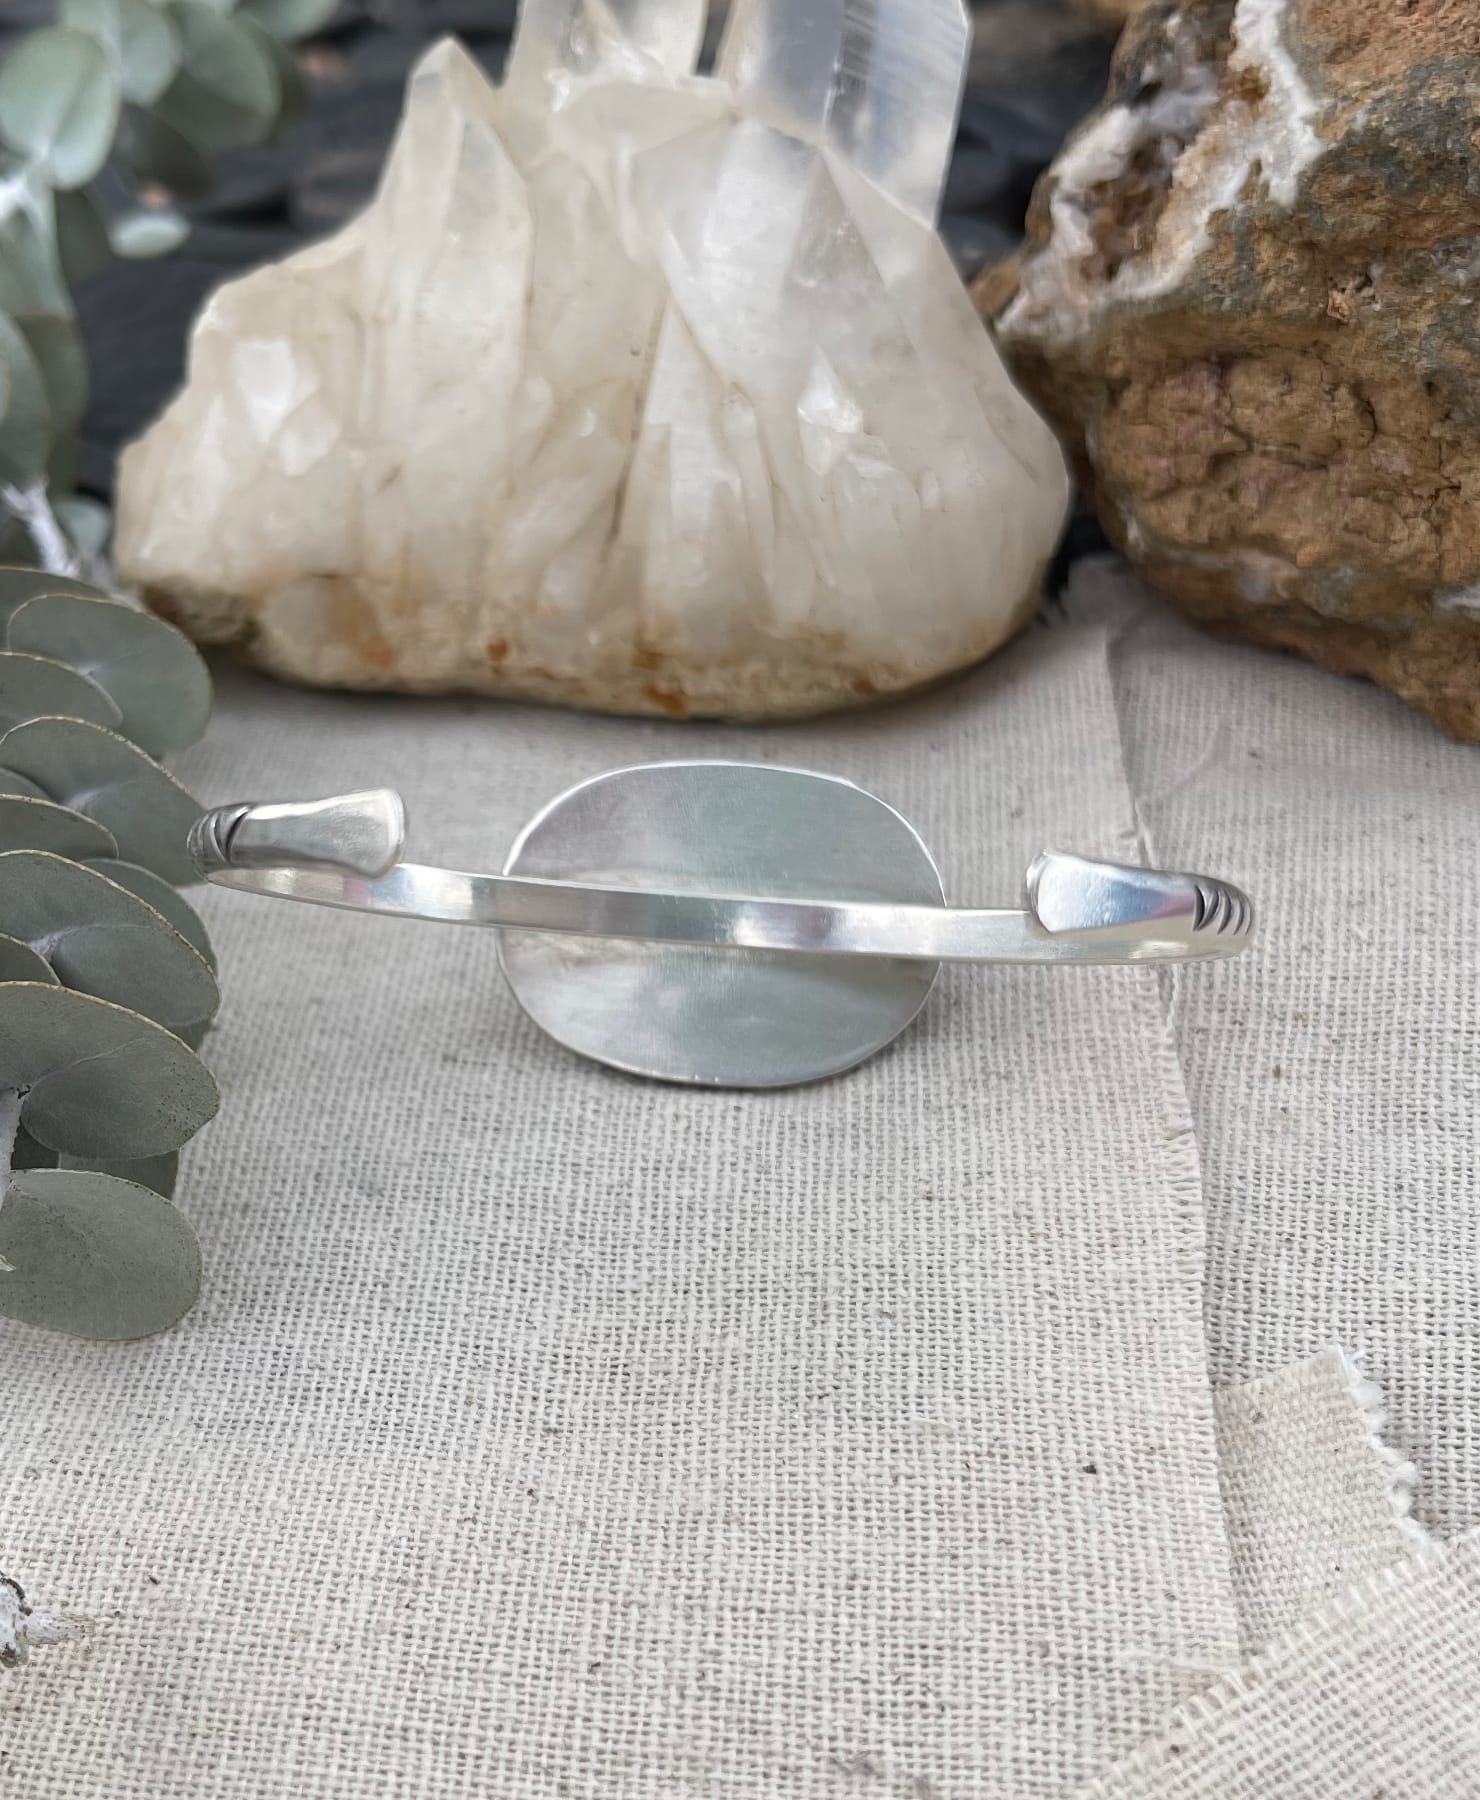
{"x":97,"y":1080}
{"x":292,"y":82}
{"x":85,"y":520}
{"x":59,"y":98}
{"x":19,"y":962}
{"x":18,"y":585}
{"x":226,"y":95}
{"x":62,"y":465}
{"x":20,"y":787}
{"x":147,"y":231}
{"x":111,"y":780}
{"x":32,"y":686}
{"x":94,"y":1256}
{"x":290,"y":19}
{"x":38,"y":686}
{"x":157,"y":1172}
{"x":82,"y":237}
{"x":158,"y":152}
{"x":57,"y":347}
{"x":28,"y":1154}
{"x":153,"y":673}
{"x":25,"y":416}
{"x":27,"y":824}
{"x":165,"y":900}
{"x":30,"y":271}
{"x":103,"y":940}
{"x":139,"y":37}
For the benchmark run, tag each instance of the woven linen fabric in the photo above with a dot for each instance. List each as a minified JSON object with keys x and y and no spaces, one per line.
{"x":546,"y":1433}
{"x":1334,"y":1073}
{"x":1316,"y":1500}
{"x":1374,"y":1699}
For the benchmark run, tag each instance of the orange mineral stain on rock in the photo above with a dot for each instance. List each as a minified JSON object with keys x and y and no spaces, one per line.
{"x":497,"y":650}
{"x":673,"y":704}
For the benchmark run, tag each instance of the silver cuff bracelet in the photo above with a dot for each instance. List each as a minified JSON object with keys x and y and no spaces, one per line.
{"x":722,"y":924}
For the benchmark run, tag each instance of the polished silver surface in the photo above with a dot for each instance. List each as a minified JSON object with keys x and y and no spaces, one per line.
{"x":728,"y":924}
{"x":353,"y":834}
{"x":686,"y":1010}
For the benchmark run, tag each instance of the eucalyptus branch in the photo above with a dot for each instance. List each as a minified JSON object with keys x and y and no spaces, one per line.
{"x":100,"y":1085}
{"x":151,"y":91}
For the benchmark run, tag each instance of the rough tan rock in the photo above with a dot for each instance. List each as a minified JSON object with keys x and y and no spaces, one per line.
{"x":630,"y":390}
{"x":1251,"y":302}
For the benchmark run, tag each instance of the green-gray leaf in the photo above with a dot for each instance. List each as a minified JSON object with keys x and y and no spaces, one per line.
{"x":226,"y":95}
{"x":57,"y":347}
{"x":85,"y":520}
{"x":140,"y":38}
{"x":59,"y":98}
{"x":147,"y":232}
{"x":152,"y":672}
{"x":103,"y":940}
{"x":291,"y":19}
{"x":13,"y":786}
{"x":97,"y":1080}
{"x":28,"y":1154}
{"x":111,"y":780}
{"x":163,"y":898}
{"x":157,"y":1172}
{"x":25,"y":417}
{"x":292,"y":82}
{"x":19,"y":962}
{"x":82,"y":237}
{"x":94,"y":1256}
{"x":32,"y":686}
{"x":43,"y":825}
{"x":18,"y":585}
{"x":30,"y":271}
{"x":159,"y":152}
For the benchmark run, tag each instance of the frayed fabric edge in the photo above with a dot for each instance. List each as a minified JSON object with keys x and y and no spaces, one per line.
{"x":1360,"y":1608}
{"x":1402,"y":1475}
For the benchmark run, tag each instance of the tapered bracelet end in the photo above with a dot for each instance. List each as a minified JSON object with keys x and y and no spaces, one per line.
{"x":352,"y":834}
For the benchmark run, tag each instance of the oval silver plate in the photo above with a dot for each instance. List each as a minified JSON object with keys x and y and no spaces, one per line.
{"x":721,"y":1018}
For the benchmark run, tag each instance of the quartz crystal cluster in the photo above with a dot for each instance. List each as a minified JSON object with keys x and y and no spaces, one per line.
{"x":632,"y":389}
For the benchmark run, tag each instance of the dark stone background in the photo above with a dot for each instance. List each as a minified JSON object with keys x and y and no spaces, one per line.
{"x":1036,"y":70}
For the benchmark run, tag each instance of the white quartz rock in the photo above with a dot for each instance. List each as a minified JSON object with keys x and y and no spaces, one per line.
{"x":630,"y":389}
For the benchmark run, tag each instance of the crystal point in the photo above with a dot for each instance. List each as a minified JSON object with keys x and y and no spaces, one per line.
{"x":557,"y":40}
{"x":881,"y":80}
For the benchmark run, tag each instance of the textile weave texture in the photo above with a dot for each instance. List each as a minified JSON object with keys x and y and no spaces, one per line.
{"x":546,"y":1433}
{"x":1334,"y":1074}
{"x":1317,"y":1501}
{"x":1373,"y":1699}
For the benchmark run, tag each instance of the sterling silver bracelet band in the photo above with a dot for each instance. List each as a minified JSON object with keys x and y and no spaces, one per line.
{"x":646,"y":861}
